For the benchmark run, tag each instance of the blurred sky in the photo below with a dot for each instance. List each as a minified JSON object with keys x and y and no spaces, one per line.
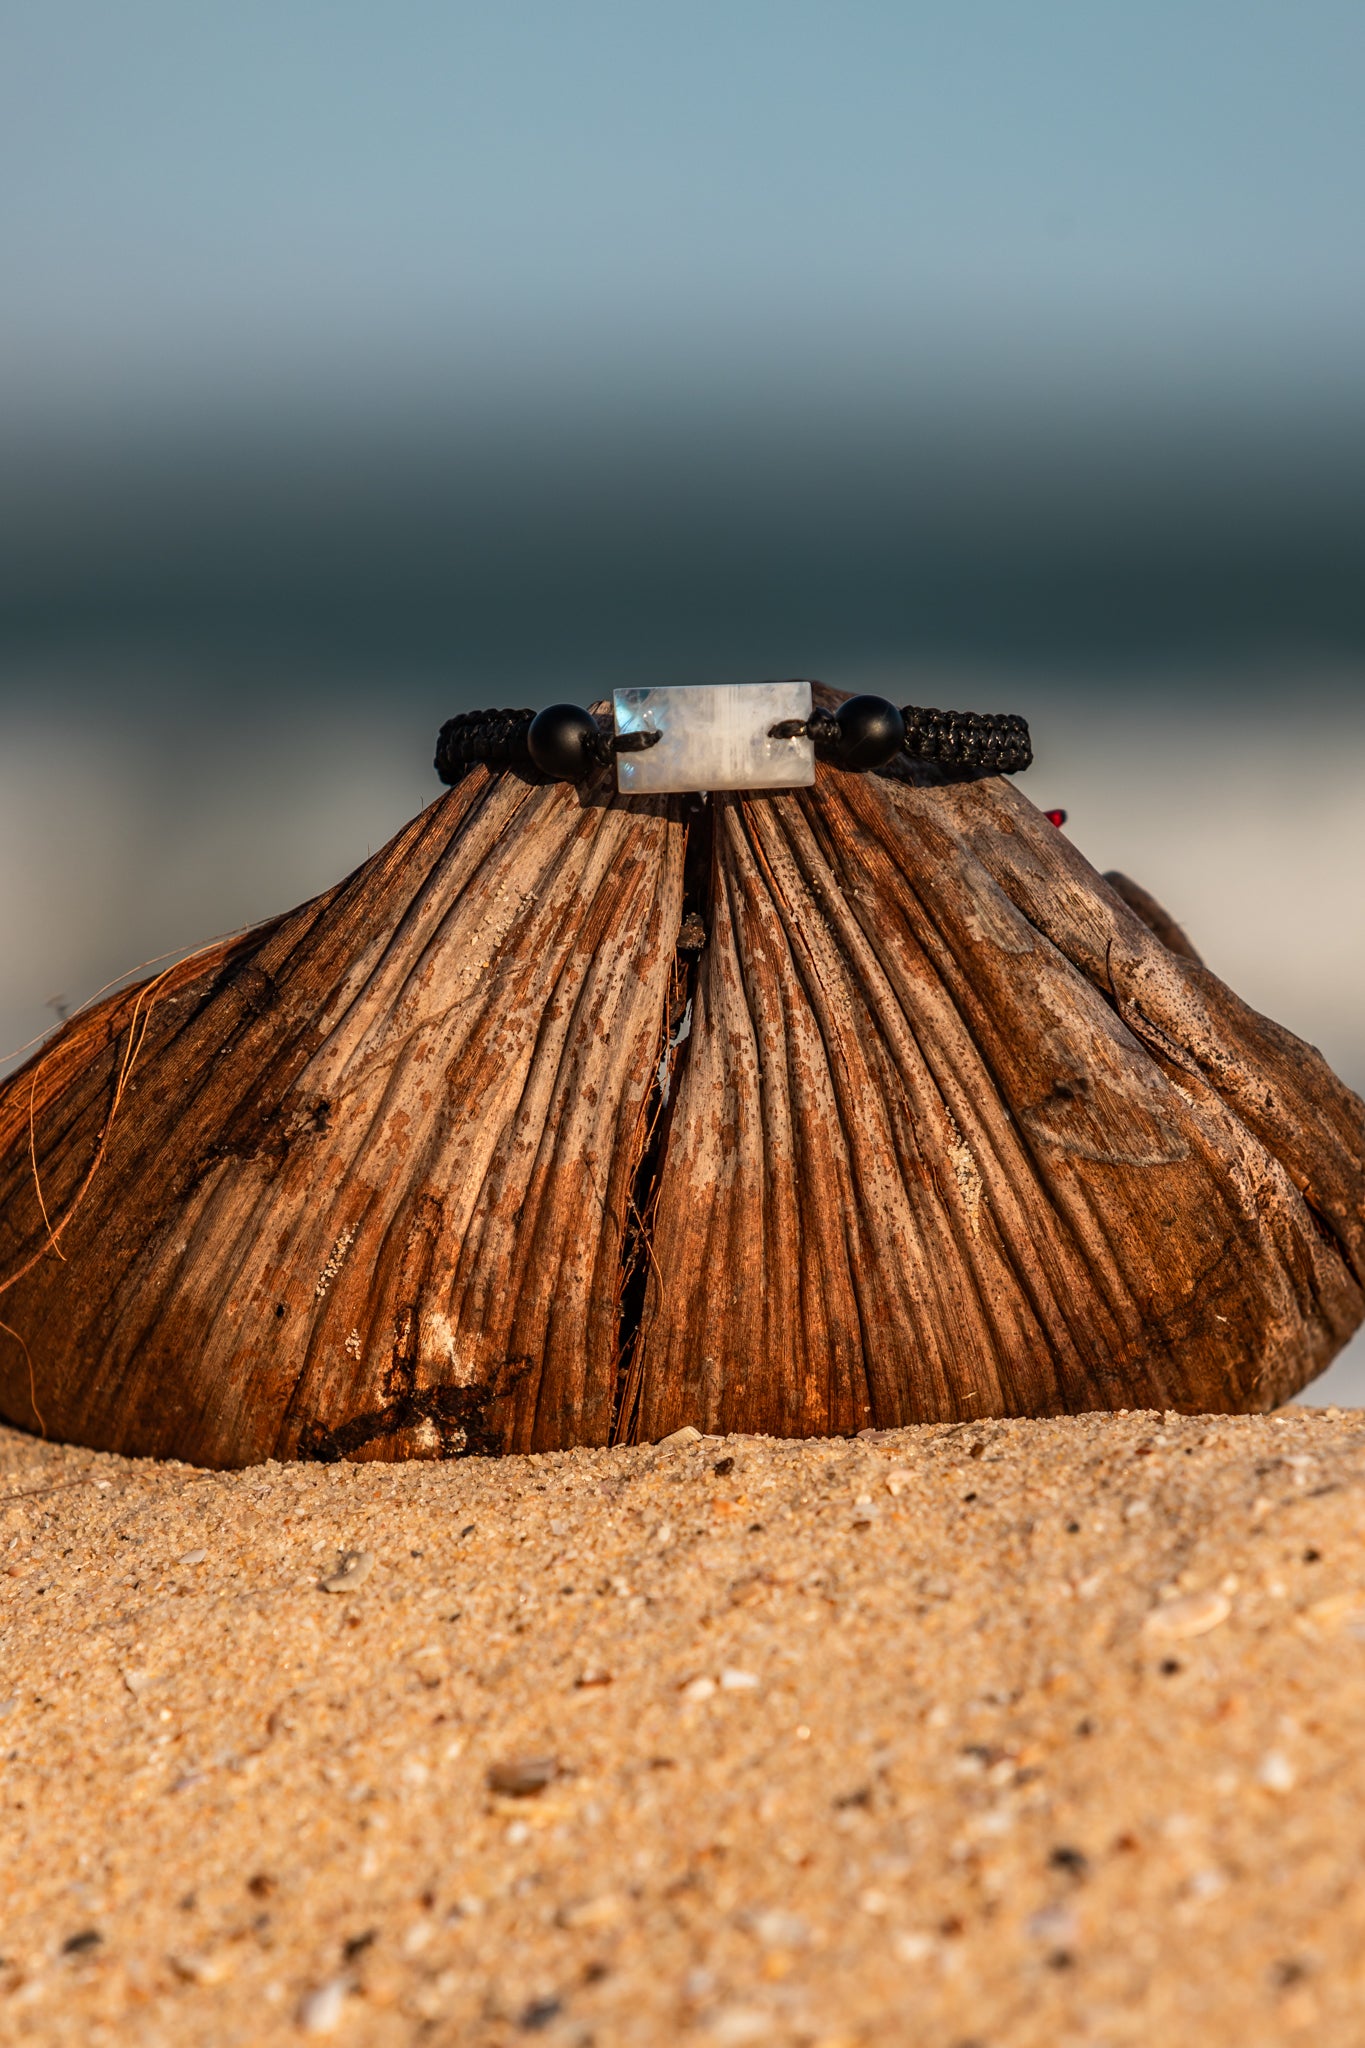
{"x":299,"y":199}
{"x":361,"y":363}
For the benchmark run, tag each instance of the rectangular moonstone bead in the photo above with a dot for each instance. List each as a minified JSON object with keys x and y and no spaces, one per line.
{"x":715,"y":736}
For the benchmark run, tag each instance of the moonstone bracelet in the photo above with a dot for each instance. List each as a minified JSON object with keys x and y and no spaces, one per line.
{"x":668,"y":739}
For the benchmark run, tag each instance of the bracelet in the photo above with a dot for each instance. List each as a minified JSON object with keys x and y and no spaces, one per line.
{"x":725,"y":736}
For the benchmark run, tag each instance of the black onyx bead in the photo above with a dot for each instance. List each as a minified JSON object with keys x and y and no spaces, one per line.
{"x":562,"y":742}
{"x":871,"y":733}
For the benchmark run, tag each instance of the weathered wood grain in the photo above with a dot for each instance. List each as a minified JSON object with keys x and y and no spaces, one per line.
{"x":952,"y":1142}
{"x":444,"y":1161}
{"x":1153,"y":914}
{"x":367,"y":1186}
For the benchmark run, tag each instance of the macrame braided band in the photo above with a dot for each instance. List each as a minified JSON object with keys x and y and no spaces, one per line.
{"x":973,"y":739}
{"x":498,"y":737}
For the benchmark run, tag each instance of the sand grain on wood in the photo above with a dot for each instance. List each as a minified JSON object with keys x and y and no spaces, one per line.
{"x":1018,"y":1733}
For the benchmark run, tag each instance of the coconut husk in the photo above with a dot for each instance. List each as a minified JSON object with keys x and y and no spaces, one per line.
{"x":572,"y":1118}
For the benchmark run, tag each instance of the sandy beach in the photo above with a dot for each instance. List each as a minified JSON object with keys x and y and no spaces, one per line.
{"x":1000,"y":1734}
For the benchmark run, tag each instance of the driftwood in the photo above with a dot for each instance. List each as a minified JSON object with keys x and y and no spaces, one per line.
{"x":1153,"y":915}
{"x":571,"y":1118}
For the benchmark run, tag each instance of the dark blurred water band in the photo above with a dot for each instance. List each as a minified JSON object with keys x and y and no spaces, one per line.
{"x":749,"y":541}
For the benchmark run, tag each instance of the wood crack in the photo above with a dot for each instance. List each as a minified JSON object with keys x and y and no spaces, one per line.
{"x":638,"y":1263}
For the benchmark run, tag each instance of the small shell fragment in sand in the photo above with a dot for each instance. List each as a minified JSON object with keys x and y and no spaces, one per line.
{"x":1339,"y":1611}
{"x":603,"y":1911}
{"x":192,"y":1557}
{"x":1195,"y":1615}
{"x":898,"y":1480}
{"x":320,"y":2010}
{"x":679,"y":1437}
{"x":738,"y":1681}
{"x":1055,"y":1924}
{"x":915,"y":1947}
{"x":1276,"y":1772}
{"x":213,"y":1968}
{"x":737,"y":2025}
{"x":520,"y":1777}
{"x":776,"y":1928}
{"x":354,"y":1569}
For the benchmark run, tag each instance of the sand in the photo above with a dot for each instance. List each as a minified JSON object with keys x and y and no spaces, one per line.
{"x":1008,"y":1733}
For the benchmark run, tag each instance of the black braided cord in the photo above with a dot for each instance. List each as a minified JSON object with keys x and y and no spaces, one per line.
{"x":498,"y":737}
{"x":997,"y":741}
{"x":994,"y":742}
